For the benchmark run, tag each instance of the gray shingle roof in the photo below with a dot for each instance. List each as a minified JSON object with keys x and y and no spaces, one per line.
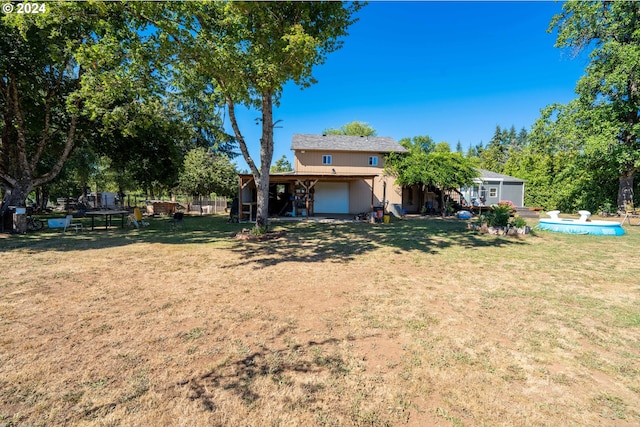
{"x":377,"y":144}
{"x":488,"y":175}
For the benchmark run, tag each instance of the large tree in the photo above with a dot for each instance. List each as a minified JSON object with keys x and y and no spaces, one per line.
{"x":57,"y":70}
{"x":427,"y":164}
{"x":354,"y":128}
{"x":609,"y":91}
{"x":562,"y":160}
{"x":250,"y":50}
{"x":422,"y":143}
{"x":281,"y":165}
{"x":204,"y":172}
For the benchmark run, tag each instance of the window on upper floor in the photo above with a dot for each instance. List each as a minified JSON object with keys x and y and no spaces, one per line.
{"x":326,"y":159}
{"x":373,"y":160}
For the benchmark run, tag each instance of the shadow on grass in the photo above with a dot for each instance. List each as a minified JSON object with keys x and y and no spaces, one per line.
{"x":239,"y":377}
{"x":336,"y":242}
{"x":343,"y":242}
{"x":194,"y":230}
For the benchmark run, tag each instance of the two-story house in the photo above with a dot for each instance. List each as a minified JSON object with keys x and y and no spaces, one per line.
{"x":333,"y":174}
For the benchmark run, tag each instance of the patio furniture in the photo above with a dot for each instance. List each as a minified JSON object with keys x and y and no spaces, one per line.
{"x":68,"y":223}
{"x":630,"y":212}
{"x":108,"y":216}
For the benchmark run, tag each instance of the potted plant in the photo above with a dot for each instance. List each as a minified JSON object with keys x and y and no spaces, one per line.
{"x":520,"y":225}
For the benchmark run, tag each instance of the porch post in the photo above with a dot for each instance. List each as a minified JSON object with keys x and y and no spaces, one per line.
{"x":372,"y":186}
{"x":308,"y":194}
{"x":239,"y":199}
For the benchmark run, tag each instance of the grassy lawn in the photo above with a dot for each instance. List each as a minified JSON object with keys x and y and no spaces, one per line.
{"x":418,"y":322}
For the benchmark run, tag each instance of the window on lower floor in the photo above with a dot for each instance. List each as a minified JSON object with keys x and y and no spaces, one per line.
{"x":493,"y":192}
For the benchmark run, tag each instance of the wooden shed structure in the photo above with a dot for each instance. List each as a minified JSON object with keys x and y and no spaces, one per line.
{"x":296,"y":195}
{"x":491,"y":187}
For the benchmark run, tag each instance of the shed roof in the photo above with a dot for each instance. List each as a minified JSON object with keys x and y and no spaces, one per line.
{"x":488,"y":176}
{"x":377,"y":144}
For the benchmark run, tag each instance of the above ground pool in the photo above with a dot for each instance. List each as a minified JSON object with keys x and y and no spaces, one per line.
{"x":576,"y":226}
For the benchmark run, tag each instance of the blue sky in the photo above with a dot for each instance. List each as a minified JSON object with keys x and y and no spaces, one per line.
{"x":451,"y":70}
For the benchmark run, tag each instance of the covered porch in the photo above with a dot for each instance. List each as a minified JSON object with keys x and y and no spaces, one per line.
{"x":308,"y":195}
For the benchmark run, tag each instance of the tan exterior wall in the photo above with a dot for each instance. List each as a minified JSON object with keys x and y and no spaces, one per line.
{"x":355,"y":163}
{"x":342,"y":162}
{"x":394,"y":191}
{"x":360,"y":197}
{"x":360,"y":193}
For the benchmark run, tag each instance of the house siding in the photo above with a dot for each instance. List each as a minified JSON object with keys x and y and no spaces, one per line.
{"x":352,"y":163}
{"x":342,"y":162}
{"x":360,"y":194}
{"x":513,"y":191}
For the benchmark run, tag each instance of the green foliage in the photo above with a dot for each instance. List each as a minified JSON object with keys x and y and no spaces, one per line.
{"x":499,"y":215}
{"x":442,"y":147}
{"x":148,"y":151}
{"x":445,"y":170}
{"x":607,"y":111}
{"x":441,"y":169}
{"x":518,"y":222}
{"x":418,"y":144}
{"x":204,"y":173}
{"x":561,"y":164}
{"x":504,"y":145}
{"x":354,"y":128}
{"x":74,"y":75}
{"x":250,"y":50}
{"x":281,"y":165}
{"x":201,"y":109}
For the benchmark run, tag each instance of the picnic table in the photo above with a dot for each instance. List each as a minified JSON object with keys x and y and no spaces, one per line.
{"x":108,"y":216}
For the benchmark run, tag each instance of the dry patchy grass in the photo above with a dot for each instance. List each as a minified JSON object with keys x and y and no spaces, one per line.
{"x":411,"y":323}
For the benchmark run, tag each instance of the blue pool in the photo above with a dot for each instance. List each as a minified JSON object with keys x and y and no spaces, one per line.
{"x":575,"y":226}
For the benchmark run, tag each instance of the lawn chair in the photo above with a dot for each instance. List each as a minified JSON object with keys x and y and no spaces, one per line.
{"x":136,"y":219}
{"x":630,"y":212}
{"x":68,"y":223}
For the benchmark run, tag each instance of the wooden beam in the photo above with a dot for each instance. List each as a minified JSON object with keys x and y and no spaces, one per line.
{"x":372,"y":191}
{"x":246,"y":183}
{"x":308,"y":198}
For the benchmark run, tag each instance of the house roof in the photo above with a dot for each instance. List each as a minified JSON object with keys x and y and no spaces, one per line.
{"x":377,"y":144}
{"x":493,"y":176}
{"x":293,"y":177}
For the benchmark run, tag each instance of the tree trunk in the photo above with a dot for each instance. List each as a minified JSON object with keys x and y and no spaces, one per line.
{"x":15,"y":195}
{"x":266,"y":156}
{"x":18,"y":174}
{"x":260,"y":176}
{"x":625,"y":188}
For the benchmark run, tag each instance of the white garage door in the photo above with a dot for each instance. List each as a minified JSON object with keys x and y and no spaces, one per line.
{"x":331,"y":197}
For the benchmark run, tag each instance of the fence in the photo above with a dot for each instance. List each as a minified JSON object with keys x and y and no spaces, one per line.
{"x":208,"y":205}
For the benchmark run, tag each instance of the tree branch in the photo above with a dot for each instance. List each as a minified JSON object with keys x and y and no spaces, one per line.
{"x":44,"y":139}
{"x":68,"y":146}
{"x":22,"y":138}
{"x":240,"y":138}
